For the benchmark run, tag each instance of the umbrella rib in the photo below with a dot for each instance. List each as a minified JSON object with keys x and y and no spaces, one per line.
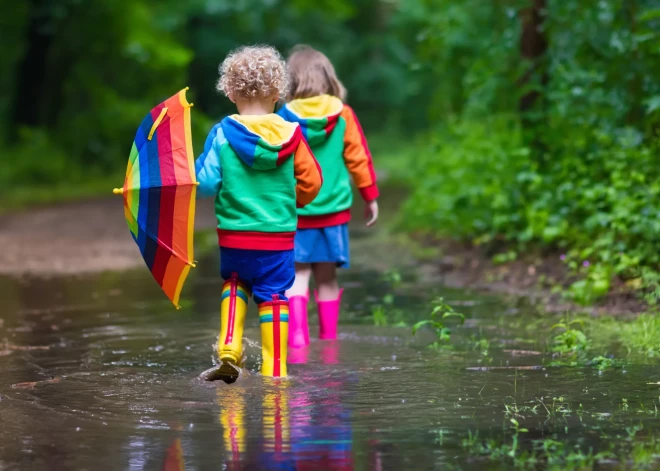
{"x":170,"y":249}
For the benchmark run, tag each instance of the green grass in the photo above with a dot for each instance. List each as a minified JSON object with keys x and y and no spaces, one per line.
{"x":639,"y":336}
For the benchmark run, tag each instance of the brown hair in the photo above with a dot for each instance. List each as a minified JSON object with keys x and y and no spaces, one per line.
{"x":312,"y":74}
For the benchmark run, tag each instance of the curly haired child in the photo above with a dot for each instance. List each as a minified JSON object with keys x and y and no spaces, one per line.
{"x":259,"y":169}
{"x":316,"y":103}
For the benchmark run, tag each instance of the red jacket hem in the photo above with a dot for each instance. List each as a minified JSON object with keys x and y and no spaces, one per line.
{"x":324,"y":220}
{"x":256,"y":240}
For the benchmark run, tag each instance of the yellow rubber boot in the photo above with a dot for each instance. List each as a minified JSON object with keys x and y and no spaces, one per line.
{"x":232,"y":319}
{"x":274,"y":320}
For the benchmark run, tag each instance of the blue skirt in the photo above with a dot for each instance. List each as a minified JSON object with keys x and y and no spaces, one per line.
{"x":326,"y":244}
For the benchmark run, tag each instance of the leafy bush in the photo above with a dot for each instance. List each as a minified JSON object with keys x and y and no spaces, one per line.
{"x":578,"y":170}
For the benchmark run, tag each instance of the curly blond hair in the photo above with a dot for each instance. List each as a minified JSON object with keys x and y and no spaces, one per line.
{"x":252,"y":73}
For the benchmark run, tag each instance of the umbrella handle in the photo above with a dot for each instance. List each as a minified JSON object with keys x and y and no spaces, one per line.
{"x":118,"y":191}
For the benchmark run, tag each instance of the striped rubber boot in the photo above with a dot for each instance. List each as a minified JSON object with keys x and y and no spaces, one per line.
{"x":274,"y":320}
{"x":232,"y":318}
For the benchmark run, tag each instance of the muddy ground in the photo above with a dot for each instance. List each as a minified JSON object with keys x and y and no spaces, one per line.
{"x":84,"y":237}
{"x":92,"y":236}
{"x":533,"y":275}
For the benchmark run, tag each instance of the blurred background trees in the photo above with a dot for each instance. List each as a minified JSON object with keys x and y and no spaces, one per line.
{"x":520,"y":122}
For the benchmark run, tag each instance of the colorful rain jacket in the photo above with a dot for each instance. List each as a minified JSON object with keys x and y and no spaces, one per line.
{"x":259,"y":169}
{"x":336,"y":138}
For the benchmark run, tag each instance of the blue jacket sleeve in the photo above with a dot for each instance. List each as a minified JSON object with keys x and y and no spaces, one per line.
{"x":207,"y":166}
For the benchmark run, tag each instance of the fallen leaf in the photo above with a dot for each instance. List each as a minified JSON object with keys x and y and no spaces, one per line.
{"x":34,"y":384}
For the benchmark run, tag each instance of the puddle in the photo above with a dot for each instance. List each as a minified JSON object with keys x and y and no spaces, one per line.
{"x":101,"y":369}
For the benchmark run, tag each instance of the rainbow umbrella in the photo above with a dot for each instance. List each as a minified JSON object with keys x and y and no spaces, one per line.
{"x":159,"y":193}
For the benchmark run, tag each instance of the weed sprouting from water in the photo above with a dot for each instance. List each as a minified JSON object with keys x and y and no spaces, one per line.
{"x":571,"y":340}
{"x":393,"y":278}
{"x":632,"y":451}
{"x":482,"y":345}
{"x":604,"y":363}
{"x":379,"y":316}
{"x":518,"y":445}
{"x":385,"y":313}
{"x":441,"y":311}
{"x":572,"y":347}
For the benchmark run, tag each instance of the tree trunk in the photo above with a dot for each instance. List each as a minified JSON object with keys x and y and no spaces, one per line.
{"x":533,"y":45}
{"x":31,"y":76}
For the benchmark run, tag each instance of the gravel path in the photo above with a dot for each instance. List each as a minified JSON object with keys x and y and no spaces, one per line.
{"x":81,"y":237}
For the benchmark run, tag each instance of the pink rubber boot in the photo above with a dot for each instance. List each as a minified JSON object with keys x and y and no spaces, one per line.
{"x":328,"y":316}
{"x":298,"y":328}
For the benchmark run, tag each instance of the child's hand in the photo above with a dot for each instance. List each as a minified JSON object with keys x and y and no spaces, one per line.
{"x":371,"y":212}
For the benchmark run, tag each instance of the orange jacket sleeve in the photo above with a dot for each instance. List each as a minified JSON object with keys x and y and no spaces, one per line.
{"x":357,"y":156}
{"x":308,"y":174}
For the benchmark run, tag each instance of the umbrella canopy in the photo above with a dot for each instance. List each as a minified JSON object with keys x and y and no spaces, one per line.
{"x":159,"y":193}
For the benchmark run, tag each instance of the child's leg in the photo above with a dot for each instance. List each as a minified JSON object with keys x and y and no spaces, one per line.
{"x":301,"y":284}
{"x":325,"y":276}
{"x":328,"y":299}
{"x":298,"y":296}
{"x":276,"y":276}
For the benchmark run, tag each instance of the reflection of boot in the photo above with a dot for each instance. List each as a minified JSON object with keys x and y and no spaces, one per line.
{"x":174,"y":458}
{"x":232,"y":418}
{"x":274,"y":320}
{"x":276,"y":421}
{"x":328,"y":317}
{"x":330,"y":353}
{"x":297,"y":356}
{"x":232,"y":318}
{"x":298,"y":328}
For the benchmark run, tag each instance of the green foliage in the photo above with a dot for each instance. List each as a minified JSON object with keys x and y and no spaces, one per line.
{"x":640,"y":336}
{"x":575,"y":169}
{"x":81,"y":74}
{"x":578,"y":170}
{"x":570,"y":340}
{"x":439,"y":314}
{"x":631,"y":448}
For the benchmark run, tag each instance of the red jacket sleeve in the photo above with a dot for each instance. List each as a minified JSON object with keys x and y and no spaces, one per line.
{"x":357,"y":156}
{"x":308,"y":174}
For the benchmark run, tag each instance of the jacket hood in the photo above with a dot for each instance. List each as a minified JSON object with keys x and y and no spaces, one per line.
{"x":317,"y":116}
{"x":263,"y":142}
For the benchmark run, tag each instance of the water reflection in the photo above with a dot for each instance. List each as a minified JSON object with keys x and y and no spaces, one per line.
{"x":297,"y":423}
{"x":232,"y":418}
{"x":174,"y":457}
